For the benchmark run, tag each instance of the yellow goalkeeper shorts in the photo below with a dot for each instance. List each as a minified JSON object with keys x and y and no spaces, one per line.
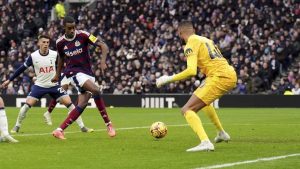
{"x":216,"y":86}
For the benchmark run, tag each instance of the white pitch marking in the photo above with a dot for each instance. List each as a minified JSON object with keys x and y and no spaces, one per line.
{"x":143,"y":127}
{"x":249,"y":161}
{"x":98,"y":130}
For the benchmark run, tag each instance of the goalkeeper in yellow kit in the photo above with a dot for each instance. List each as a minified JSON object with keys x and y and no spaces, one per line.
{"x":220,"y":78}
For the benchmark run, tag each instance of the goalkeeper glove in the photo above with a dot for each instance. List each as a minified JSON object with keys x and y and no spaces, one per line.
{"x":163,"y":80}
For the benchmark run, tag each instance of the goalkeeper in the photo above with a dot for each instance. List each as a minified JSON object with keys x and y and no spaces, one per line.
{"x":220,"y":78}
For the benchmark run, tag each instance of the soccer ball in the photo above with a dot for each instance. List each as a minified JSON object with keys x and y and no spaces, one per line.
{"x":158,"y":129}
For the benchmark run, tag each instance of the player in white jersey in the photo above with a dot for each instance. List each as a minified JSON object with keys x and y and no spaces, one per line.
{"x":43,"y":62}
{"x":4,"y":126}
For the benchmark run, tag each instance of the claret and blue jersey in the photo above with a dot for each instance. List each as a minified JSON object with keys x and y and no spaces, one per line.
{"x":76,"y":53}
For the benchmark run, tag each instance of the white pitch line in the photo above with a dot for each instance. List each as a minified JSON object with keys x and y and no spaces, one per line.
{"x":143,"y":127}
{"x":249,"y":161}
{"x":98,"y":130}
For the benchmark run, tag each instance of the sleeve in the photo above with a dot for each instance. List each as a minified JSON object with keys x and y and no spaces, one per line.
{"x":59,"y":49}
{"x":91,"y":39}
{"x":22,"y":68}
{"x":28,"y":62}
{"x":191,"y":52}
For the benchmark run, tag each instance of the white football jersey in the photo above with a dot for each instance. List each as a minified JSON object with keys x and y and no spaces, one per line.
{"x":44,"y":67}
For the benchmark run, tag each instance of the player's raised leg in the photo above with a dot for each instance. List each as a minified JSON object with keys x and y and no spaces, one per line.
{"x":68,"y":103}
{"x":4,"y":125}
{"x":189,"y":111}
{"x":74,"y":114}
{"x":90,"y":86}
{"x":30,"y":101}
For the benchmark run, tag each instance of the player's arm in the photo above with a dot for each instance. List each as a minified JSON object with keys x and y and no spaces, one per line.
{"x":102,"y":45}
{"x":105,"y":50}
{"x":191,"y":69}
{"x":60,"y":63}
{"x":191,"y":52}
{"x":20,"y":70}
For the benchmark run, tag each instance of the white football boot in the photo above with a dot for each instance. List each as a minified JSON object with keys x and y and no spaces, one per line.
{"x":203,"y":146}
{"x":47,"y":117}
{"x":9,"y":139}
{"x":222,"y":136}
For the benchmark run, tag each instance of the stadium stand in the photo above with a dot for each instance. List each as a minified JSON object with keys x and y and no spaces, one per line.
{"x":260,"y":38}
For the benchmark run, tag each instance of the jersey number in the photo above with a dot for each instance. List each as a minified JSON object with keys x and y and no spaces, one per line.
{"x":213,"y":51}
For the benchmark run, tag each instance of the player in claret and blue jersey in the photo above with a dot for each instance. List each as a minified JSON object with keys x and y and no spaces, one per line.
{"x":73,"y":50}
{"x":44,"y":63}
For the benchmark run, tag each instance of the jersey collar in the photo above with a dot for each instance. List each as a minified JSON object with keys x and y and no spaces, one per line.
{"x":42,"y":54}
{"x":67,"y":39}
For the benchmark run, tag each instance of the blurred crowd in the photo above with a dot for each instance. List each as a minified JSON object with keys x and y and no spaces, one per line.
{"x":260,"y":38}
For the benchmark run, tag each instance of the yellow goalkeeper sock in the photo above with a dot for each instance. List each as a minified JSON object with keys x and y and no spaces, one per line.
{"x":211,"y":113}
{"x":194,"y":121}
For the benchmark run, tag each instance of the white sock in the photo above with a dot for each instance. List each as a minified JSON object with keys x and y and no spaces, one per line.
{"x":3,"y":123}
{"x":79,"y":119}
{"x":22,"y":114}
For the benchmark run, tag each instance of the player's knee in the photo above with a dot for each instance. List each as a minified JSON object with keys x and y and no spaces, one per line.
{"x":184,"y":109}
{"x":28,"y":105}
{"x":65,"y":100}
{"x":96,"y":92}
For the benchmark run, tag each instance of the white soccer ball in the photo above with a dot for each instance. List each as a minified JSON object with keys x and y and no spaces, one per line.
{"x":158,"y":129}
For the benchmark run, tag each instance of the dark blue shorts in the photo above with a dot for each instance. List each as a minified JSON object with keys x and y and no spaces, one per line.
{"x":55,"y":92}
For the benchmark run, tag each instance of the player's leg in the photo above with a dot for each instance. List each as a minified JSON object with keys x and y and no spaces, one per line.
{"x":222,"y":135}
{"x":51,"y":106}
{"x":215,"y":88}
{"x":74,"y":114}
{"x":30,"y":101}
{"x":47,"y":114}
{"x":189,"y":111}
{"x":210,"y":111}
{"x":35,"y":94}
{"x":90,"y":86}
{"x":4,"y":125}
{"x":66,"y":100}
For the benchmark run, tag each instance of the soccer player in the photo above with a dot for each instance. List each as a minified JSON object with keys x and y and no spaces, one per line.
{"x":43,"y":61}
{"x":73,"y":49}
{"x":4,"y":125}
{"x":220,"y":78}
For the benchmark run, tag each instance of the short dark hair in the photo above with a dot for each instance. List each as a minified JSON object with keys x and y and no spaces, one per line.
{"x":44,"y":36}
{"x":68,"y":19}
{"x":185,"y":23}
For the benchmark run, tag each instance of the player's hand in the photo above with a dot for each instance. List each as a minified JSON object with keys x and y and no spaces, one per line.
{"x":34,"y":79}
{"x":163,"y":80}
{"x":5,"y":84}
{"x":103,"y":66}
{"x":55,"y":79}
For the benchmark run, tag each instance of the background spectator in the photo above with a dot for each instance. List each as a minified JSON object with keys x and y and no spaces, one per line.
{"x":259,"y":38}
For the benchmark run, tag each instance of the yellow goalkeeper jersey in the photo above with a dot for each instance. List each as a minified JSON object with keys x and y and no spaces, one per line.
{"x":203,"y":53}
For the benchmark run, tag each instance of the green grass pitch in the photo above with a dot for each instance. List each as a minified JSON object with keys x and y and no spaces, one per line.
{"x":256,"y":133}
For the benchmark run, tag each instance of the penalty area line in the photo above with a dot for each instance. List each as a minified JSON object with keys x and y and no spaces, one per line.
{"x":97,"y":130}
{"x":250,"y":161}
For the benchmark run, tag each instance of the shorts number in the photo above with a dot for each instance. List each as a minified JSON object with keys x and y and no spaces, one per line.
{"x":213,"y":51}
{"x":61,"y":90}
